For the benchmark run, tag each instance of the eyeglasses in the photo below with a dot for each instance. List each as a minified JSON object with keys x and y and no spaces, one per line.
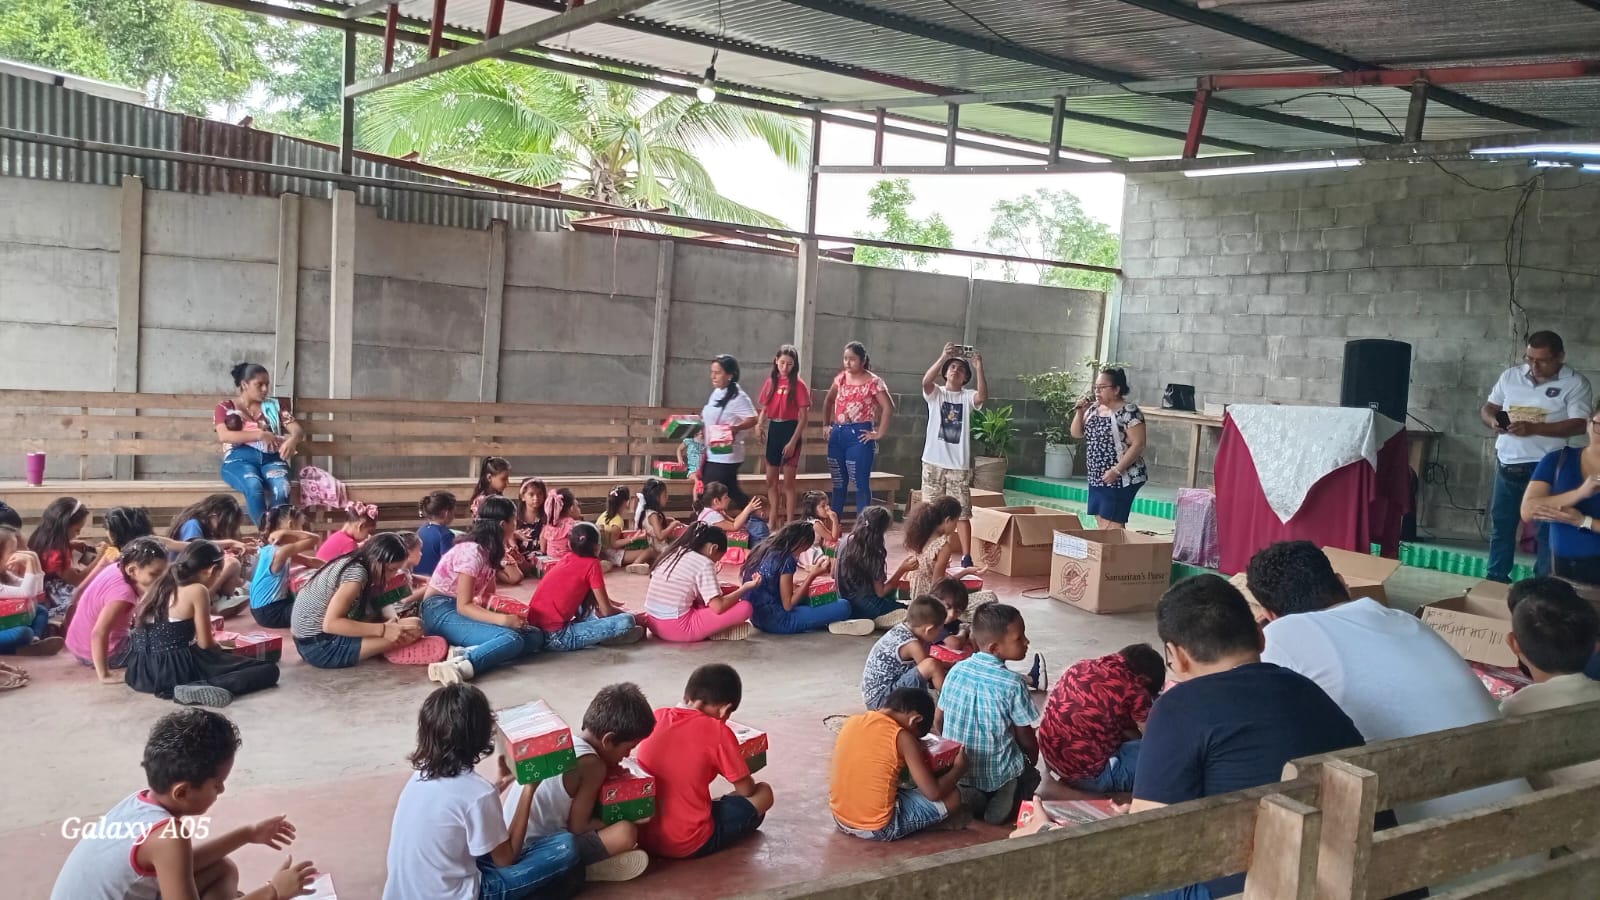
{"x":1166,"y":656}
{"x":1538,"y":360}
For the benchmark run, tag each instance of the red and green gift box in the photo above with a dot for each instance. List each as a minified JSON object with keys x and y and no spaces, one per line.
{"x":298,"y":576}
{"x":678,"y":427}
{"x":543,"y":564}
{"x":255,"y":645}
{"x":971,"y":582}
{"x":538,"y":741}
{"x":719,"y":439}
{"x":636,"y":540}
{"x":627,"y":795}
{"x":16,"y":613}
{"x":671,"y":471}
{"x":821,"y":591}
{"x":941,"y":752}
{"x":512,"y":606}
{"x":218,"y":623}
{"x":739,"y":539}
{"x":752,"y":745}
{"x":946,"y":655}
{"x":397,"y":588}
{"x":830,"y":549}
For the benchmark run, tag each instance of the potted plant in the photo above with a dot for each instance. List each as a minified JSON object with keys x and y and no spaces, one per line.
{"x":1058,"y":391}
{"x":994,"y":434}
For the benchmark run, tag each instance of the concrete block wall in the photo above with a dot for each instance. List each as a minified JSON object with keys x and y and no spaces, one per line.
{"x":576,"y":316}
{"x":1248,"y":288}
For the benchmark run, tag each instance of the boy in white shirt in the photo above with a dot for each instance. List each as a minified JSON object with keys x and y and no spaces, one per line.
{"x":947,"y":448}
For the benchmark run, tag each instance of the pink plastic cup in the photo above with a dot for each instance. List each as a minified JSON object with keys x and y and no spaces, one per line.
{"x":36,"y":468}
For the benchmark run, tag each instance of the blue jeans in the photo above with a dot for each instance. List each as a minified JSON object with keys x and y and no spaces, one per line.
{"x":1191,"y":892}
{"x":330,"y":651}
{"x":912,"y":813}
{"x":263,"y":479}
{"x":1117,"y":776}
{"x":541,"y":862}
{"x":850,"y":459}
{"x":488,"y":646}
{"x":19,"y":636}
{"x":588,"y":631}
{"x":732,"y":817}
{"x":871,"y":606}
{"x":1505,"y":521}
{"x":771,"y":617}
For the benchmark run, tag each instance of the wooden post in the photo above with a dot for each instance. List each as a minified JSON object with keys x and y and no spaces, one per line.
{"x":1349,"y":800}
{"x":494,"y":310}
{"x":130,"y":275}
{"x":1283,"y":862}
{"x":663,"y":316}
{"x":341,"y":306}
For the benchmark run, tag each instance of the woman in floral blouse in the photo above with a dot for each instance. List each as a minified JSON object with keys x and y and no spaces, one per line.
{"x":1112,"y":430}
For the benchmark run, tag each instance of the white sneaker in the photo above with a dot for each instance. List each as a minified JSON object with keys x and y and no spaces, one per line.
{"x":638,"y":569}
{"x":457,"y":653}
{"x":854,"y":627}
{"x":889,"y":619}
{"x":451,"y":671}
{"x":733,"y":633}
{"x":625,"y":866}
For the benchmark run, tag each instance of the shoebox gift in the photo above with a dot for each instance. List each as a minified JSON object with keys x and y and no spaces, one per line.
{"x":254,"y":645}
{"x":946,"y":655}
{"x":1501,"y":682}
{"x":17,"y":612}
{"x":636,"y":540}
{"x":502,"y":603}
{"x":822,"y":591}
{"x":298,"y":576}
{"x":679,"y":427}
{"x":1110,"y":570}
{"x":1016,"y":539}
{"x":397,"y":588}
{"x":739,"y":539}
{"x":538,"y":742}
{"x":218,"y":623}
{"x":1475,"y":624}
{"x":970,"y":582}
{"x":627,"y":795}
{"x":670,"y":471}
{"x":1065,"y":813}
{"x":719,"y":439}
{"x":941,"y":755}
{"x":752,"y":745}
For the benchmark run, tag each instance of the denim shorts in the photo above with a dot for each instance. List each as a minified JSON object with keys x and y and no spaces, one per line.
{"x":330,"y":651}
{"x":732,"y":817}
{"x":912,"y":813}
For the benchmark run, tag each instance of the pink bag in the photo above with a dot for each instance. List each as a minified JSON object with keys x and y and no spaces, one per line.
{"x":318,"y":488}
{"x":1194,"y":540}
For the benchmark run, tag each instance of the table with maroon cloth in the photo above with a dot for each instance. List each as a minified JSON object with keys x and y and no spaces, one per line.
{"x":1317,"y":496}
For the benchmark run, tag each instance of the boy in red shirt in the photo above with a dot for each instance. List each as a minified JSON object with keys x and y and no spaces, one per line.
{"x":1095,"y":715}
{"x":691,"y":745}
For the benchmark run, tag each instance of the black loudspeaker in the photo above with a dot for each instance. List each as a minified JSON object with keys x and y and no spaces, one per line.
{"x":1377,"y":374}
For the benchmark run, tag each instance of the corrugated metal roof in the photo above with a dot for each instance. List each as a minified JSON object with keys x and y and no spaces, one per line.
{"x":841,"y":50}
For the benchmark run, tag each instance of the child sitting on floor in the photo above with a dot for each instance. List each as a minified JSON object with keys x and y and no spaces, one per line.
{"x":448,"y":838}
{"x":815,"y":509}
{"x":986,"y":708}
{"x":900,"y":658}
{"x":61,"y":554}
{"x":1095,"y":715}
{"x":439,"y":508}
{"x":619,"y":512}
{"x":781,"y":600}
{"x":685,"y":602}
{"x":215,"y":518}
{"x":713,"y":508}
{"x":957,"y":633}
{"x":22,"y":578}
{"x":360,"y":523}
{"x":288,"y":542}
{"x":650,"y":516}
{"x":1553,"y":633}
{"x":866,"y":795}
{"x":494,"y":476}
{"x":98,"y":633}
{"x":863,"y":572}
{"x":142,"y":846}
{"x":618,"y":718}
{"x":453,"y":606}
{"x":561,"y":512}
{"x":571,"y":606}
{"x":928,"y":531}
{"x":691,"y":745}
{"x":522,"y":551}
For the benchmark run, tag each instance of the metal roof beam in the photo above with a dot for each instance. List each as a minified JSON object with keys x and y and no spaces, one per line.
{"x":1075,"y":92}
{"x":528,"y":35}
{"x":1306,"y":50}
{"x":368,"y":8}
{"x":1017,"y":53}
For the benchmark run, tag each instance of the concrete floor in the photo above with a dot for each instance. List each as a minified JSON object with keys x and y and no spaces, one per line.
{"x":328,"y":748}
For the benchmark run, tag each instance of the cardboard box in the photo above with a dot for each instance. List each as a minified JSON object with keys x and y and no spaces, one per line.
{"x":821,"y":591}
{"x":1475,"y":624}
{"x":627,"y":795}
{"x":980,"y":498}
{"x":502,"y":603}
{"x":752,"y":743}
{"x":1363,"y":574}
{"x":538,"y":742}
{"x":254,"y":645}
{"x":1111,"y":570}
{"x":670,"y":471}
{"x":1022,"y":535}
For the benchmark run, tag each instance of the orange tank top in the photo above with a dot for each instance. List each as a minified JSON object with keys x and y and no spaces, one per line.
{"x":866,"y":771}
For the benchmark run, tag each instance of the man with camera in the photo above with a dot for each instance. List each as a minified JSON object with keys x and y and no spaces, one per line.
{"x":1535,"y":409}
{"x":947,"y":449}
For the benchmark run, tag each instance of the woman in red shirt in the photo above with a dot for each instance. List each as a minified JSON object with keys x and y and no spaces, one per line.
{"x":785,"y":403}
{"x":856,"y":398}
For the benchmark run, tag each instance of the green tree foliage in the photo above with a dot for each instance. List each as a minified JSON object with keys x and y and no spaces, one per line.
{"x":186,"y":56}
{"x":611,"y":142}
{"x":1052,"y":225}
{"x":890,"y":207}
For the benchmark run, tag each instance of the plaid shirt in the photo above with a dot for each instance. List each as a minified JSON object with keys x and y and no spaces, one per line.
{"x":982,"y":701}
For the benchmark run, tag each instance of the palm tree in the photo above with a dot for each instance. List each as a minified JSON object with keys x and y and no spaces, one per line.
{"x":611,"y":142}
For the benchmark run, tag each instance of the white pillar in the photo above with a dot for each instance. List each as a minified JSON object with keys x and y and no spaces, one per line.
{"x":342,"y":297}
{"x":288,"y":317}
{"x":805,"y":306}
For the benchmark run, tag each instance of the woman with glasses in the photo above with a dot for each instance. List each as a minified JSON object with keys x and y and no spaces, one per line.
{"x":1112,"y":431}
{"x":1564,"y":491}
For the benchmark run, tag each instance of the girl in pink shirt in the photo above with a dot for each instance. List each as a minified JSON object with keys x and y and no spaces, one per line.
{"x":562,"y":512}
{"x":98,"y":634}
{"x":454,"y":605}
{"x":361,"y":522}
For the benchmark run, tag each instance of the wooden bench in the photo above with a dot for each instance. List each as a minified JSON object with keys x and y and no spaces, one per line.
{"x":108,"y":434}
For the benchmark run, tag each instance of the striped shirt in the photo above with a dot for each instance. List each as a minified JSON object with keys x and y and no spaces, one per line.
{"x":678,"y":584}
{"x":982,"y":701}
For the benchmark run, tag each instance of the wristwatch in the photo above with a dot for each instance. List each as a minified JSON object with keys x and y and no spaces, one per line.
{"x":1587,"y":524}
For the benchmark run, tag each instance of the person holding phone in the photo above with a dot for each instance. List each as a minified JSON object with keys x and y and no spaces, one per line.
{"x":257,"y":436}
{"x":1534,"y":409}
{"x":947,"y":447}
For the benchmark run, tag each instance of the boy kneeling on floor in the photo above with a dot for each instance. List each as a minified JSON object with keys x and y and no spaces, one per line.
{"x":867,"y":797}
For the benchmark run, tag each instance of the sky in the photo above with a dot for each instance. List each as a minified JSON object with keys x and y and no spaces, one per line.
{"x":748,"y":173}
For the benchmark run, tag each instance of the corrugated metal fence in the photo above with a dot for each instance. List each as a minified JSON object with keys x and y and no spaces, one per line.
{"x":46,"y":108}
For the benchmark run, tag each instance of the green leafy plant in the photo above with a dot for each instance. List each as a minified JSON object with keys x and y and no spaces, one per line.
{"x":993,"y":430}
{"x":1059,"y":390}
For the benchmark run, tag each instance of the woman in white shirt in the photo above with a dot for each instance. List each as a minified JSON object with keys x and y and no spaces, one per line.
{"x":728,"y":414}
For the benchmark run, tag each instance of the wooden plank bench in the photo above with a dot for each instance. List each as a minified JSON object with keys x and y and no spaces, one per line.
{"x":448,"y":440}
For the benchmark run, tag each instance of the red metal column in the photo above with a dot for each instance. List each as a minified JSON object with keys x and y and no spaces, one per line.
{"x":391,"y":24}
{"x":436,"y":29}
{"x":1197,"y":125}
{"x":497,"y":11}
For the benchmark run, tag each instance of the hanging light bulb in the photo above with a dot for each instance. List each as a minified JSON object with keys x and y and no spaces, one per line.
{"x":707,"y":91}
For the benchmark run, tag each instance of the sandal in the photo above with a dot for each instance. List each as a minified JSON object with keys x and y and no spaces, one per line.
{"x":11,"y":679}
{"x":422,"y":652}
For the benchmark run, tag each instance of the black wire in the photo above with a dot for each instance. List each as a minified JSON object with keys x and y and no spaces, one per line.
{"x":984,"y":25}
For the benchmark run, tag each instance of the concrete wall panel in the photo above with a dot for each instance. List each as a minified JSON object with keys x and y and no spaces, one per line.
{"x":56,"y":357}
{"x":316,"y":234}
{"x":574,"y":378}
{"x":701,"y":331}
{"x":425,"y":253}
{"x":186,"y":294}
{"x":53,"y":214}
{"x":311,"y":318}
{"x":407,"y":374}
{"x":197,"y":362}
{"x":211,"y":226}
{"x":390,"y":312}
{"x":745,"y":281}
{"x":57,"y":285}
{"x":580,"y":261}
{"x":563,"y":321}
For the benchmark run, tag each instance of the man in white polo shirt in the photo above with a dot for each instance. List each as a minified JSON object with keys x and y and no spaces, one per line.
{"x":1546,"y":405}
